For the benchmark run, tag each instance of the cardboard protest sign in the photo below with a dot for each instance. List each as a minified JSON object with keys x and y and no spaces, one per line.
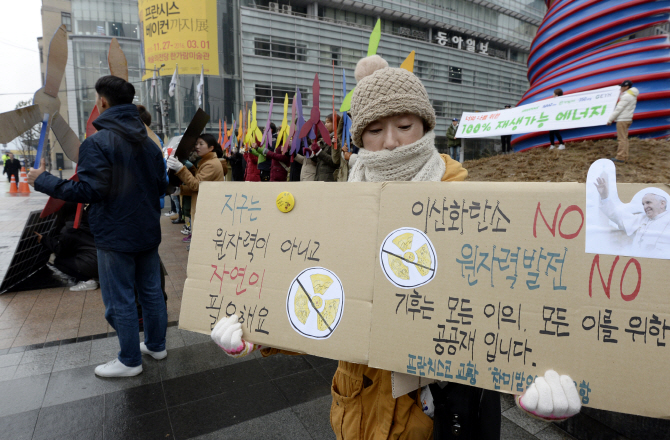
{"x":585,"y":109}
{"x":486,"y":284}
{"x":271,"y":268}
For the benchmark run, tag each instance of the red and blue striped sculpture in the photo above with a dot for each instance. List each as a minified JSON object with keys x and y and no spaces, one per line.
{"x":576,"y":49}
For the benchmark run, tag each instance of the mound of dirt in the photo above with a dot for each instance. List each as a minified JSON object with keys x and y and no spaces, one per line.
{"x":649,"y":162}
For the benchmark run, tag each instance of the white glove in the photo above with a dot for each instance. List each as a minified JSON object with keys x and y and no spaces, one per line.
{"x":552,"y":397}
{"x":174,"y":164}
{"x":227,"y":334}
{"x":177,"y":191}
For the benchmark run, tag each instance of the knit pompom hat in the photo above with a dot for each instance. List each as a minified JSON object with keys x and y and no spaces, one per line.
{"x":384,"y":91}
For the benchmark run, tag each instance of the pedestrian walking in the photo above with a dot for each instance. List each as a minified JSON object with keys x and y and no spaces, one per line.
{"x":506,"y":140}
{"x":555,"y":133}
{"x":12,"y":168}
{"x":453,"y":143}
{"x":623,"y":115}
{"x":122,"y":176}
{"x":393,"y":123}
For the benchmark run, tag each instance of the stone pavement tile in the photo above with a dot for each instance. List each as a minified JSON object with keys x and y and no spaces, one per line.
{"x":33,"y":369}
{"x":59,"y":421}
{"x":303,"y":387}
{"x":11,"y":323}
{"x":11,"y":332}
{"x":33,"y":331}
{"x":629,"y":425}
{"x":77,"y":346}
{"x":69,"y":360}
{"x":6,"y":343}
{"x":511,"y":431}
{"x":584,"y":427}
{"x":281,"y":365}
{"x":133,"y":402}
{"x":315,"y":417}
{"x":19,"y":426}
{"x":57,"y":334}
{"x":103,"y":356}
{"x":235,"y":377}
{"x":14,"y":313}
{"x":173,"y":338}
{"x":191,"y":338}
{"x":41,"y":355}
{"x":506,"y":401}
{"x":5,"y":299}
{"x":327,"y":371}
{"x":194,"y":359}
{"x":10,"y":359}
{"x":154,"y":425}
{"x":80,"y":383}
{"x":528,"y":423}
{"x":93,"y":326}
{"x":280,"y":425}
{"x":195,"y":418}
{"x":106,"y":344}
{"x":22,"y":341}
{"x":26,"y":394}
{"x":7,"y":373}
{"x":552,"y":432}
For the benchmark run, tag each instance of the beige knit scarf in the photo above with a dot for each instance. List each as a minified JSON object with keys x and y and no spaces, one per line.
{"x":418,"y":161}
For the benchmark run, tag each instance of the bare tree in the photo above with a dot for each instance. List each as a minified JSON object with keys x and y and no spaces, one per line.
{"x":29,"y":140}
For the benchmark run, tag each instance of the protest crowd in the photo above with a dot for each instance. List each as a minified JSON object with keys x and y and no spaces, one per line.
{"x":123,"y":175}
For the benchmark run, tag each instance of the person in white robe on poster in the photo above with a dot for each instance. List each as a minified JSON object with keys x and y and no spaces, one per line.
{"x":650,"y":229}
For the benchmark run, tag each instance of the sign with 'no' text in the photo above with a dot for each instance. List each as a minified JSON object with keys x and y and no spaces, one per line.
{"x":482,"y":283}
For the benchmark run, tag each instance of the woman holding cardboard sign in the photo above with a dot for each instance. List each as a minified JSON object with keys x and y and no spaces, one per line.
{"x":210,"y":168}
{"x":393,"y":123}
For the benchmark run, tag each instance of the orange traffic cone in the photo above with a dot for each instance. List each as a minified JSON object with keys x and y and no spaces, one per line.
{"x":12,"y":186}
{"x":24,"y":188}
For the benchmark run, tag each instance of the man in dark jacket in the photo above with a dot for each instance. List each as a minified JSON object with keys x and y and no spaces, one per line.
{"x":12,"y":167}
{"x":122,"y":176}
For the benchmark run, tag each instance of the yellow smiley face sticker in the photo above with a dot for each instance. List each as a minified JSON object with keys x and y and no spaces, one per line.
{"x":285,"y":201}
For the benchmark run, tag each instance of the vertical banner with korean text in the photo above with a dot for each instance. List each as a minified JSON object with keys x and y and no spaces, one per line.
{"x":182,"y":32}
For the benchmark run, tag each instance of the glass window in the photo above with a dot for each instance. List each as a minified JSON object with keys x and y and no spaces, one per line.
{"x":276,"y":48}
{"x":440,"y":107}
{"x":262,"y":47}
{"x":264,"y":92}
{"x":425,"y":70}
{"x":116,"y":29}
{"x":330,"y":54}
{"x":455,"y":75}
{"x":66,"y":19}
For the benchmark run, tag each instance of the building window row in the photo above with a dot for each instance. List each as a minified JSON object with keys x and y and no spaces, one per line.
{"x":277,"y":92}
{"x":280,"y":48}
{"x":440,"y":37}
{"x":347,"y":58}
